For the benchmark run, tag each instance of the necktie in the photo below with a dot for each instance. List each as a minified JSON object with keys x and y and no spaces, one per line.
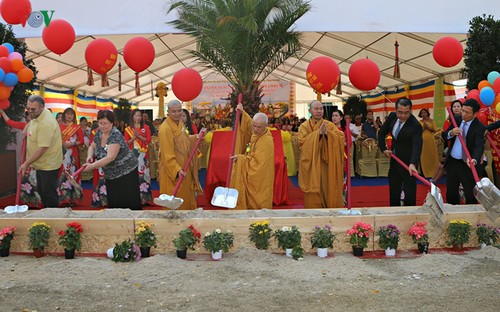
{"x":396,"y":133}
{"x":464,"y":134}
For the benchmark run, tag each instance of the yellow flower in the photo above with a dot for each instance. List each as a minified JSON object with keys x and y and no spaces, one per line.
{"x":260,"y":232}
{"x":39,"y":224}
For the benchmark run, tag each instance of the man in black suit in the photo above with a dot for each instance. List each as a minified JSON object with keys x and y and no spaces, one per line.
{"x":406,"y":132}
{"x":457,"y":165}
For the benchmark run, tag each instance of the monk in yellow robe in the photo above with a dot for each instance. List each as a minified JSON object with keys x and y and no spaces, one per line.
{"x":175,"y":146}
{"x":253,"y":171}
{"x":321,"y":166}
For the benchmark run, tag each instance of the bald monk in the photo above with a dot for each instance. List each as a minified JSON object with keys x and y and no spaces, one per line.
{"x":175,"y":146}
{"x":321,"y":166}
{"x":253,"y":171}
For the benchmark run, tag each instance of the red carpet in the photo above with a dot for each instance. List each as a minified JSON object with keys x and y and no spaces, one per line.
{"x":362,"y":196}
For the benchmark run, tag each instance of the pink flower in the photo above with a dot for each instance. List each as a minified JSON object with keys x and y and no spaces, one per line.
{"x":102,"y":190}
{"x":95,"y":196}
{"x":26,"y":187}
{"x":144,"y":187}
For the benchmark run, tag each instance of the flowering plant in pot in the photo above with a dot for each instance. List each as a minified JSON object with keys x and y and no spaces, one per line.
{"x":38,"y":237}
{"x":418,"y":233}
{"x":459,"y":232}
{"x":288,"y":238}
{"x":487,"y":234}
{"x":322,"y":238}
{"x":389,"y":238}
{"x":6,"y":236}
{"x":218,"y":242}
{"x":187,"y":239}
{"x":360,"y":235}
{"x":260,"y":233}
{"x":70,"y":239}
{"x":145,"y":238}
{"x":126,"y":251}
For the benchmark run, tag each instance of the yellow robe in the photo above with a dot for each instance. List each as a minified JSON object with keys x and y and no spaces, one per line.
{"x":253,"y":174}
{"x":429,"y":158}
{"x":321,"y":165}
{"x":175,"y":146}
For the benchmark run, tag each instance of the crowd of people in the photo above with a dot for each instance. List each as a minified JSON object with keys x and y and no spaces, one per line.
{"x":119,"y":156}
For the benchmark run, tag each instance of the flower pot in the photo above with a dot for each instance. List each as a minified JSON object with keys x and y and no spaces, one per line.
{"x":217,"y":255}
{"x":69,"y":253}
{"x":288,"y":252}
{"x":182,"y":253}
{"x":322,"y":252}
{"x":483,"y":245}
{"x":389,"y":252}
{"x":357,"y":251}
{"x":423,"y":247}
{"x":145,"y":251}
{"x":458,"y":247}
{"x":38,"y":253}
{"x":4,"y":252}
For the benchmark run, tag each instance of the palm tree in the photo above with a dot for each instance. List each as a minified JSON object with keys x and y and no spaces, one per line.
{"x":243,"y":40}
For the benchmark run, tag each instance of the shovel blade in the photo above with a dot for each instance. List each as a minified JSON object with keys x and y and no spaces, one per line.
{"x":225,"y":197}
{"x":489,"y":196}
{"x":169,"y":202}
{"x":16,"y":209}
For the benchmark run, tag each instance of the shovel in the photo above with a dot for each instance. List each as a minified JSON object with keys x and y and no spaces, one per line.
{"x":17,"y":207}
{"x":435,"y":192}
{"x":485,"y":191}
{"x":348,"y":140}
{"x":72,"y":179}
{"x":226,"y":197}
{"x":170,"y":201}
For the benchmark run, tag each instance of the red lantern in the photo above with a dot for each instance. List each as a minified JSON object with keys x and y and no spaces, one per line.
{"x":448,"y":52}
{"x":4,"y":104}
{"x":323,"y":74}
{"x":59,"y":36}
{"x":364,"y":74}
{"x":187,"y":84}
{"x":101,"y":55}
{"x":139,"y":54}
{"x":15,"y":11}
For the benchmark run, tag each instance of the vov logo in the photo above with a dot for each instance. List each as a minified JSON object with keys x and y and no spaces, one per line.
{"x":37,"y":18}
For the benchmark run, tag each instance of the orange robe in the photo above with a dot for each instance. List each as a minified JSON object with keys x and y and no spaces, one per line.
{"x":321,"y":166}
{"x":175,"y":146}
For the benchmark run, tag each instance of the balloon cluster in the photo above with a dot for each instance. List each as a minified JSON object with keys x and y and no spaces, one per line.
{"x":12,"y":71}
{"x":488,"y":92}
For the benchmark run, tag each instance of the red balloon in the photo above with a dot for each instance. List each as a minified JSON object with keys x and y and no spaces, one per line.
{"x":448,"y":52}
{"x":482,"y":116}
{"x":364,"y":74}
{"x":101,"y":55}
{"x":4,"y":52}
{"x":6,"y":64}
{"x":59,"y":36}
{"x":139,"y":54}
{"x":496,"y":85}
{"x":4,"y":104}
{"x":474,"y":94}
{"x":15,"y":11}
{"x":323,"y":74}
{"x":187,"y":84}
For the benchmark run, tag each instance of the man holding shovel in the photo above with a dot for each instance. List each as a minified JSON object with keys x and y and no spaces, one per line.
{"x":175,"y":146}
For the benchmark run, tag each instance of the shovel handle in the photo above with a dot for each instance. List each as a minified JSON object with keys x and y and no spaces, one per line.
{"x":348,"y":147}
{"x":20,"y":174}
{"x":78,"y":172}
{"x":413,"y":173}
{"x":492,"y":144}
{"x":236,"y":121}
{"x":464,"y":146}
{"x":186,"y":166}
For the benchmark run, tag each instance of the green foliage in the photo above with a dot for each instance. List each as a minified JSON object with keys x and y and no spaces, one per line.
{"x":71,"y":238}
{"x":127,"y":251}
{"x":260,"y":233}
{"x":354,"y":106}
{"x":288,"y":237}
{"x":122,"y":111}
{"x":487,"y":234}
{"x":242,"y":40}
{"x":297,"y":253}
{"x":144,"y":236}
{"x":482,"y":50}
{"x":38,"y":235}
{"x":218,"y":240}
{"x":187,"y":238}
{"x":20,"y":93}
{"x":322,"y":237}
{"x":458,"y":232}
{"x":388,"y":236}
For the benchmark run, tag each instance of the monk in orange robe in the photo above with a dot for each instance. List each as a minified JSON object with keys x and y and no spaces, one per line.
{"x":253,"y":170}
{"x":321,"y":166}
{"x":175,"y":146}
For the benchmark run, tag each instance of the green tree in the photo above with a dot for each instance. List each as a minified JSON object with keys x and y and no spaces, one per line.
{"x":243,"y":40}
{"x":20,"y":93}
{"x":122,"y":112}
{"x":482,"y":53}
{"x":354,"y":106}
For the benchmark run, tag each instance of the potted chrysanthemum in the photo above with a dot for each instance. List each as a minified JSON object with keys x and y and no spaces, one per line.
{"x":458,"y":233}
{"x":288,"y":238}
{"x":145,"y":238}
{"x":6,"y":236}
{"x":322,"y":239}
{"x":218,"y":242}
{"x":389,"y":239}
{"x":38,"y":238}
{"x":260,"y":233}
{"x":487,"y":234}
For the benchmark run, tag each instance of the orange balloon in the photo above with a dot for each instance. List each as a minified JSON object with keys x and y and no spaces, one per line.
{"x":4,"y":92}
{"x":482,"y":84}
{"x":17,"y":65}
{"x":25,"y":75}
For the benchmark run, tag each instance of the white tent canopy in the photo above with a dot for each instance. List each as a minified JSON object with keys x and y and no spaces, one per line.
{"x":365,"y":29}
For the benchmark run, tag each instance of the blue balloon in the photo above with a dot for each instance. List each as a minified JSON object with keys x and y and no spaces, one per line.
{"x":2,"y":75}
{"x":9,"y":46}
{"x":487,"y":96}
{"x":492,"y":76}
{"x":10,"y":80}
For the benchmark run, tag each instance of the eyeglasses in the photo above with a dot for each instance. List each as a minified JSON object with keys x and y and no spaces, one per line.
{"x":31,"y":109}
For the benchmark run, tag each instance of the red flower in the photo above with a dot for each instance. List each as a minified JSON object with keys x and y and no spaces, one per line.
{"x":77,"y":226}
{"x":62,"y":233}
